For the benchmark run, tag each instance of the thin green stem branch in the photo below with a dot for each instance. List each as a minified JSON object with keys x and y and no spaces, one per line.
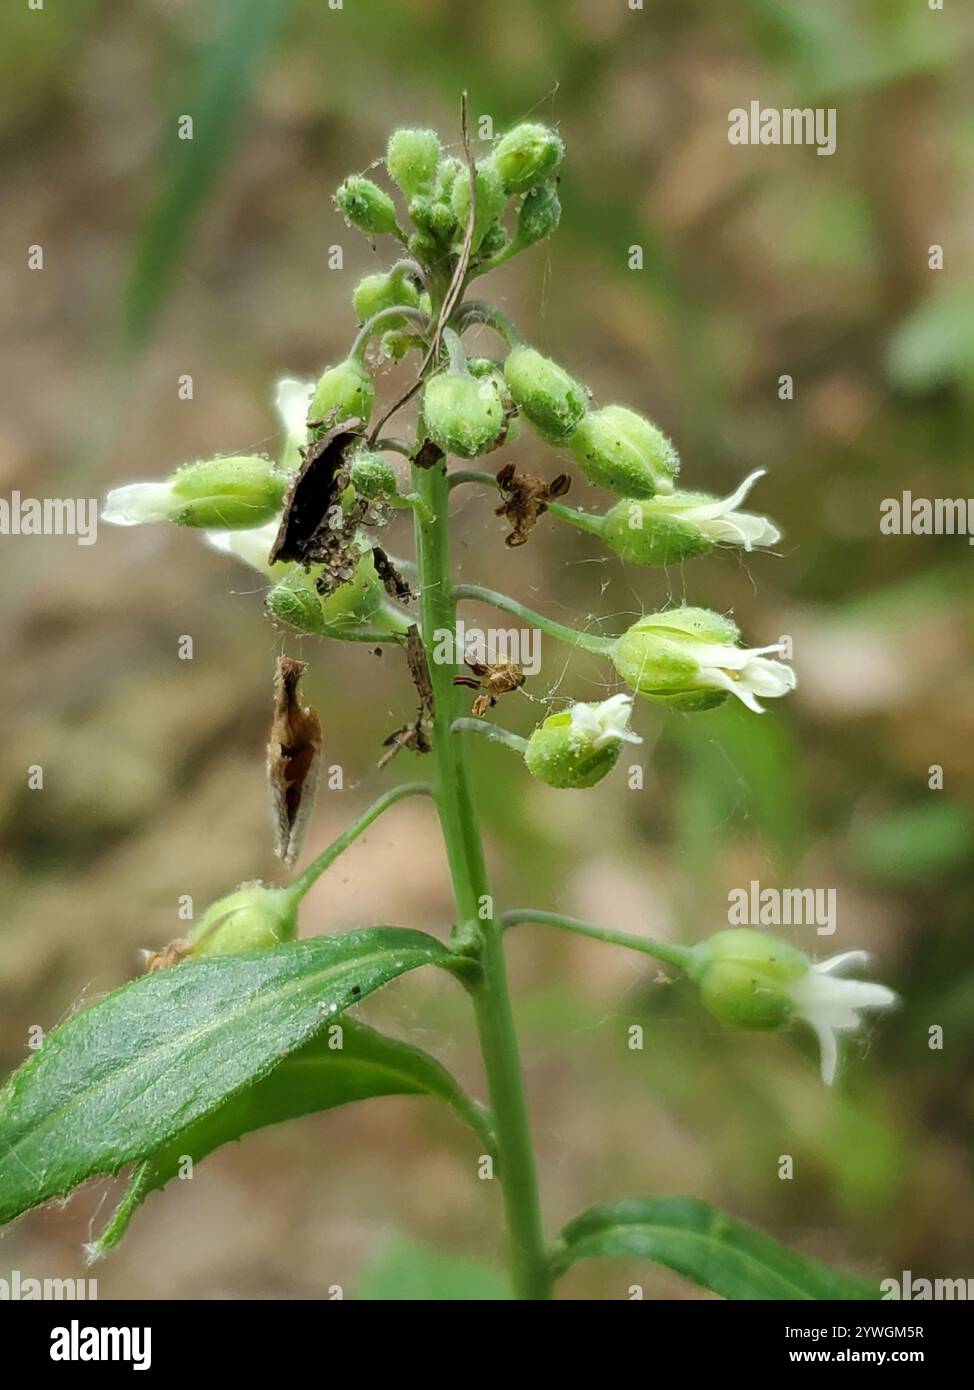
{"x":313,"y":872}
{"x":588,"y":641}
{"x":470,"y":475}
{"x":593,"y":522}
{"x":667,"y":951}
{"x":478,"y":929}
{"x":491,"y":731}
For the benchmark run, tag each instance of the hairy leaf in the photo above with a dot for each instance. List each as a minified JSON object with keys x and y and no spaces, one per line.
{"x":319,"y":1076}
{"x":705,"y":1246}
{"x":114,"y":1083}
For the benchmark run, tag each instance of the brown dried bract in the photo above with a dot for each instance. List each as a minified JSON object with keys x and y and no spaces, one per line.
{"x":413,"y":735}
{"x":419,"y":670}
{"x":525,"y":499}
{"x":306,"y":533}
{"x":293,"y":760}
{"x":169,"y":955}
{"x":492,"y":681}
{"x":428,"y":455}
{"x":395,"y":585}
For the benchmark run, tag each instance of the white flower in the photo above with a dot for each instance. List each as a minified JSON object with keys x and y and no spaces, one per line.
{"x":604,"y":723}
{"x":141,"y":502}
{"x":719,"y":519}
{"x":292,"y":401}
{"x":252,"y":546}
{"x":830,"y":1005}
{"x":743,"y":671}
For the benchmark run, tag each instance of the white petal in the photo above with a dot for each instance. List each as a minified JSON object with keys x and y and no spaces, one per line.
{"x":745,"y":529}
{"x":829,"y":1050}
{"x":138,"y":503}
{"x":251,"y":545}
{"x":831,"y":964}
{"x":721,"y":506}
{"x":292,"y":401}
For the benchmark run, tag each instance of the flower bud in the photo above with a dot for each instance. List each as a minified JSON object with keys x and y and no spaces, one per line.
{"x":538,"y":216}
{"x":577,"y":747}
{"x":462,"y":415}
{"x":689,"y":658}
{"x":669,"y":528}
{"x":225,"y":492}
{"x":249,"y":919}
{"x":384,"y":291}
{"x":495,"y":239}
{"x":491,"y":200}
{"x":365,"y":205}
{"x":412,"y":158}
{"x":744,"y":977}
{"x":526,"y":155}
{"x":373,"y":476}
{"x":550,"y":400}
{"x":296,"y":602}
{"x":345,"y":392}
{"x":624,"y":452}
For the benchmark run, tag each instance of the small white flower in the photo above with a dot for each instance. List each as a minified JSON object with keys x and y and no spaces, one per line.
{"x":830,"y":1005}
{"x":137,"y":503}
{"x":604,"y":723}
{"x":719,"y":518}
{"x":292,"y":401}
{"x":744,"y":671}
{"x":252,"y":546}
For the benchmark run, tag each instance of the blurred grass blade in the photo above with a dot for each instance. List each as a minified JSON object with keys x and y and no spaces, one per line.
{"x":114,"y":1083}
{"x":407,"y":1272}
{"x":705,"y":1246}
{"x":227,"y":71}
{"x":319,"y":1076}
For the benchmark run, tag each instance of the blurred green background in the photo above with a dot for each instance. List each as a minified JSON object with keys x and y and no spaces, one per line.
{"x":210,"y":257}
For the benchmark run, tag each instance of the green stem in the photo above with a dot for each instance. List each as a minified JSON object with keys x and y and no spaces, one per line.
{"x":470,"y":475}
{"x":588,"y":641}
{"x":593,"y":522}
{"x":313,"y":872}
{"x":477,"y":927}
{"x":374,"y":325}
{"x":680,"y":956}
{"x":479,"y":311}
{"x":491,"y":731}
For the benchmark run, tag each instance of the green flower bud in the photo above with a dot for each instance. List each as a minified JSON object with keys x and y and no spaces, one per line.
{"x":345,"y":392}
{"x":526,"y":156}
{"x":227,"y":492}
{"x":538,"y":216}
{"x":412,"y":159}
{"x":578,"y":746}
{"x":295,"y":601}
{"x":385,"y":291}
{"x":491,"y":200}
{"x":624,"y":452}
{"x":495,"y":239}
{"x":463,"y":416}
{"x":689,"y":658}
{"x":550,"y":400}
{"x":446,"y":177}
{"x":365,"y":205}
{"x":373,"y":476}
{"x":667,"y":529}
{"x":745,"y":977}
{"x":749,"y":980}
{"x":249,"y":919}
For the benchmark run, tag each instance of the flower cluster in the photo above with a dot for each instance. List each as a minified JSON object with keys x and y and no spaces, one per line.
{"x":305,"y":522}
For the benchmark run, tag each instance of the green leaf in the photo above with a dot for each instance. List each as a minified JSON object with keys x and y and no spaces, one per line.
{"x":405,"y":1271}
{"x":319,"y":1076}
{"x":228,"y":67}
{"x":116,"y":1082}
{"x":705,"y":1246}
